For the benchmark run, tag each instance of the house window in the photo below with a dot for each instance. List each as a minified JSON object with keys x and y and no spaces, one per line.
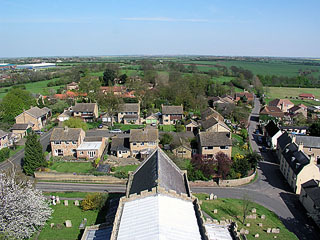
{"x":74,"y":142}
{"x":134,"y":144}
{"x":181,"y":152}
{"x":57,"y":142}
{"x":208,"y":148}
{"x":310,"y":149}
{"x":152,"y":143}
{"x":142,"y":143}
{"x":67,"y":142}
{"x":224,"y":147}
{"x":81,"y":153}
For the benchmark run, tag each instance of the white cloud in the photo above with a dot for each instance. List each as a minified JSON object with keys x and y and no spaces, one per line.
{"x":164,"y":19}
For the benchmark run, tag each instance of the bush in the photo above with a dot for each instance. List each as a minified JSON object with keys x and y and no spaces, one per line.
{"x":179,"y":128}
{"x":4,"y":154}
{"x":93,"y":201}
{"x":166,"y":139}
{"x":121,"y":174}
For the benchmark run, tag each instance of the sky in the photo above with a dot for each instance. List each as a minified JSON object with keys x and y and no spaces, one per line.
{"x":285,"y":28}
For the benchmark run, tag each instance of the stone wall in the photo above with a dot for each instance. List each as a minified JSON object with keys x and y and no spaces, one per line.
{"x":52,"y":176}
{"x":224,"y":183}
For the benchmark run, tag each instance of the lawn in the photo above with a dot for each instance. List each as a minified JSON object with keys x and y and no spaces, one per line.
{"x":287,"y":92}
{"x":167,"y":128}
{"x":34,"y":87}
{"x":67,"y":194}
{"x":76,"y":215}
{"x":232,"y":209}
{"x":125,"y":127}
{"x":71,"y":167}
{"x":126,"y":168}
{"x":238,"y":147}
{"x":13,"y":152}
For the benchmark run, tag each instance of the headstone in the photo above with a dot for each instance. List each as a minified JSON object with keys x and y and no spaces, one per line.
{"x":263,"y":216}
{"x":54,"y":202}
{"x":268,"y":230}
{"x":68,"y":224}
{"x":275,"y":237}
{"x":211,"y":196}
{"x":52,"y":225}
{"x":260,"y":224}
{"x":246,"y":232}
{"x":83,"y":224}
{"x":248,"y":224}
{"x":254,"y":216}
{"x":215,"y":210}
{"x":207,"y":198}
{"x":242,"y":231}
{"x":222,"y":222}
{"x":257,"y":235}
{"x":254,"y":210}
{"x":76,"y":202}
{"x":58,"y":199}
{"x":215,"y":197}
{"x":275,"y":230}
{"x":215,"y":221}
{"x":66,"y":203}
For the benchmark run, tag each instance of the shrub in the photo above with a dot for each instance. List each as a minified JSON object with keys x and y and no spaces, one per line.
{"x":4,"y":154}
{"x":121,"y":174}
{"x":93,"y":201}
{"x":166,"y":139}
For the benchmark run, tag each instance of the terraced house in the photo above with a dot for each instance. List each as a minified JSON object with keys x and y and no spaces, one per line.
{"x":143,"y":141}
{"x":129,"y":113}
{"x":65,"y":141}
{"x":171,"y":114}
{"x":37,"y":117}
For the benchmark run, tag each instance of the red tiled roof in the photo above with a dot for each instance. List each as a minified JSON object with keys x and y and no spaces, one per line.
{"x":307,"y":95}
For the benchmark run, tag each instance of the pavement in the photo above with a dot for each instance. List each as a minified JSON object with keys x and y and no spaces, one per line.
{"x":17,"y":159}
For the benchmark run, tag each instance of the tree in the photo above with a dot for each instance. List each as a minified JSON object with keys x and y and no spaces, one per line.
{"x":253,"y":159}
{"x":109,"y":103}
{"x":166,"y":139}
{"x":75,"y":123}
{"x":206,"y":166}
{"x":246,"y":203}
{"x":91,"y":86}
{"x":224,"y":164}
{"x":244,"y":134}
{"x":15,"y":102}
{"x":314,"y":129}
{"x":93,"y":201}
{"x":108,"y":77}
{"x":123,"y":78}
{"x":4,"y":154}
{"x":59,"y":106}
{"x":34,"y":157}
{"x":23,"y":209}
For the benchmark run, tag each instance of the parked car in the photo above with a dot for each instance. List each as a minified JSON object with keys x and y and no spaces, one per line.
{"x":100,"y":126}
{"x":115,"y":131}
{"x":39,"y":132}
{"x":153,"y":124}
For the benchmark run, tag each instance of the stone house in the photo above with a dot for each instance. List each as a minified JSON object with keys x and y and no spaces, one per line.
{"x":297,"y":167}
{"x":209,"y":113}
{"x":295,"y":110}
{"x":309,"y":144}
{"x":283,"y":104}
{"x":272,"y":111}
{"x":181,"y":148}
{"x":4,"y":139}
{"x":272,"y":133}
{"x":191,"y":126}
{"x":37,"y":117}
{"x":92,"y":148}
{"x":210,"y":143}
{"x":213,"y":125}
{"x":310,"y":199}
{"x":120,"y":147}
{"x":241,"y":95}
{"x":152,"y":119}
{"x":72,"y":86}
{"x":129,"y":113}
{"x":143,"y":141}
{"x":20,"y":130}
{"x":307,"y":96}
{"x":65,"y":141}
{"x":64,"y":116}
{"x":171,"y":114}
{"x":87,"y":111}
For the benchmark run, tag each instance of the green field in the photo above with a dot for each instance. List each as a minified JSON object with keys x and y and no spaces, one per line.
{"x":71,"y":167}
{"x":222,"y":79}
{"x":271,"y":67}
{"x":34,"y":87}
{"x":232,"y":209}
{"x":288,"y":92}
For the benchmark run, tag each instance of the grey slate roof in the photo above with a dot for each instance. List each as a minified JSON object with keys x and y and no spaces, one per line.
{"x":296,"y":159}
{"x":272,"y":128}
{"x":69,"y":134}
{"x":313,"y":191}
{"x":129,"y":107}
{"x":168,"y":110}
{"x":3,"y":133}
{"x":158,"y":170}
{"x":209,"y":112}
{"x":284,"y":140}
{"x":308,"y":141}
{"x":131,"y":116}
{"x":214,"y":139}
{"x":37,"y":112}
{"x":84,"y":107}
{"x":20,"y":126}
{"x":118,"y":144}
{"x":144,"y":135}
{"x":208,"y":123}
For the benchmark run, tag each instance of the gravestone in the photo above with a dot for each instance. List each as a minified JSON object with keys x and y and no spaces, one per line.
{"x":76,"y":202}
{"x":215,"y":210}
{"x":275,"y":230}
{"x":215,"y":197}
{"x":242,"y":231}
{"x":254,"y":210}
{"x":52,"y":225}
{"x":66,"y":203}
{"x":211,"y":196}
{"x":275,"y":237}
{"x":68,"y":224}
{"x":257,"y":235}
{"x":246,"y":232}
{"x":260,"y":224}
{"x":83,"y":224}
{"x":248,"y":224}
{"x":268,"y":230}
{"x":263,"y":216}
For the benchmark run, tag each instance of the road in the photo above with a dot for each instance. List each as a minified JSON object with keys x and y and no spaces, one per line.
{"x":17,"y":159}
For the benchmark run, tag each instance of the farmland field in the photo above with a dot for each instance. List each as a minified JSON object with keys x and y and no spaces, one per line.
{"x":264,"y":68}
{"x":283,"y":92}
{"x":34,"y":87}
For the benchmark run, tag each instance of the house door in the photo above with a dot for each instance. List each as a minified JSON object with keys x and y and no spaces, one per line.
{"x":92,"y":154}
